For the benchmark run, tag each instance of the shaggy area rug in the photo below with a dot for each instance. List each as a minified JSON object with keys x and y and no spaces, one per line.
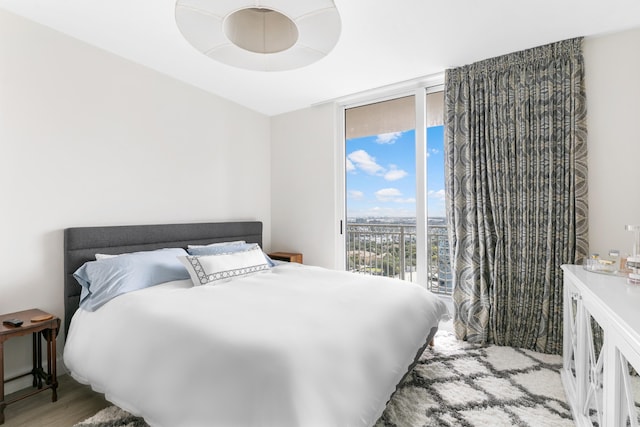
{"x":456,"y":384}
{"x":459,"y":384}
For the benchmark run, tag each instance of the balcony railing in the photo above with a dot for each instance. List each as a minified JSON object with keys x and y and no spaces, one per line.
{"x":390,"y":250}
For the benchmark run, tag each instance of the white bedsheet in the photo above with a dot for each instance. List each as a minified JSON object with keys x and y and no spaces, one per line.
{"x":296,"y":346}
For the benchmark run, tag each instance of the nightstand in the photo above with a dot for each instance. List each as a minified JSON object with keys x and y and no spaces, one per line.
{"x":286,"y":256}
{"x":40,"y":325}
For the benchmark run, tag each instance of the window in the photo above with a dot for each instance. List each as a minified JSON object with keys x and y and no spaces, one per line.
{"x":394,"y":190}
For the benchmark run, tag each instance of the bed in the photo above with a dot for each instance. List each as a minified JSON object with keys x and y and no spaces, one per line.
{"x":292,"y":346}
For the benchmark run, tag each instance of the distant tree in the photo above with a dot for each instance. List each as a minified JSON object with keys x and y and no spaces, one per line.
{"x":389,"y":268}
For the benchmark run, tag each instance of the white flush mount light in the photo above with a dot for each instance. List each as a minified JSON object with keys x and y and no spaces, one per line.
{"x":270,"y":35}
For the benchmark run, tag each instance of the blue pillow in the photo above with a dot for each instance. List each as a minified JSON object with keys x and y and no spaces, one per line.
{"x":216,"y":249}
{"x":105,"y":279}
{"x":235,"y":242}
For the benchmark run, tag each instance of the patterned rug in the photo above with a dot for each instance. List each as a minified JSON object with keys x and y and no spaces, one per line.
{"x":459,"y":384}
{"x":456,"y":384}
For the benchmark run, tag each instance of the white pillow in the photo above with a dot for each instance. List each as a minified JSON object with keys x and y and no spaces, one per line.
{"x":237,"y":242}
{"x":205,"y":269}
{"x":104,"y":256}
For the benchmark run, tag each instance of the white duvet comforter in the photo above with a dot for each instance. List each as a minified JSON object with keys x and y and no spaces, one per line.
{"x":296,"y":346}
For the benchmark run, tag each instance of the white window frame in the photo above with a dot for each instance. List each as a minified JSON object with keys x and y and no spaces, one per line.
{"x":419,"y":89}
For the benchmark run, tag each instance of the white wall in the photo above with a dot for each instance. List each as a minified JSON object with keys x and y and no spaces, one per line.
{"x":303,"y":184}
{"x":88,"y":138}
{"x":612,"y":71}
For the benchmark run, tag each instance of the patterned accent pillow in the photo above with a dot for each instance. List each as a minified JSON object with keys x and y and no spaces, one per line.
{"x":223,"y":248}
{"x":218,"y":268}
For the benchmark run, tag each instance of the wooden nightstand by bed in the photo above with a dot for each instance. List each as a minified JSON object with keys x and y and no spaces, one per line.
{"x":41,"y":325}
{"x":286,"y":256}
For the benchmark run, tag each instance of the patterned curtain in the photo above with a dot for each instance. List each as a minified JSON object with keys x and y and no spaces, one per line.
{"x":516,"y":185}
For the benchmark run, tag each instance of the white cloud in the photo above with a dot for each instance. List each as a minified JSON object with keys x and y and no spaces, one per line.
{"x":436,"y":203}
{"x":356,"y":195}
{"x":393,"y":195}
{"x":350,"y":166}
{"x":388,"y":194}
{"x":394,"y":174}
{"x":440,"y":194}
{"x":388,"y":138}
{"x":362,"y":160}
{"x":407,"y":200}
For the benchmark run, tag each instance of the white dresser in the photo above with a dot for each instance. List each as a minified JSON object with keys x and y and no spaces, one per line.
{"x":596,"y":378}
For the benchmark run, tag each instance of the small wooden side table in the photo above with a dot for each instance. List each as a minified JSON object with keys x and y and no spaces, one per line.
{"x":46,"y":329}
{"x":286,"y":256}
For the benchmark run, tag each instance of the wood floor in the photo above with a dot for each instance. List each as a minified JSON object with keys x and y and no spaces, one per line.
{"x":75,"y":403}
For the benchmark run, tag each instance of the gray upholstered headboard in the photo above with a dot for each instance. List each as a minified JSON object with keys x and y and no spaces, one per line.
{"x":82,"y":243}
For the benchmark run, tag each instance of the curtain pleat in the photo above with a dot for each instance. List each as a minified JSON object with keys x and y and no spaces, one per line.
{"x":516,"y":170}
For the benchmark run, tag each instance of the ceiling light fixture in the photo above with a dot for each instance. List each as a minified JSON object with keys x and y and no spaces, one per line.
{"x":269,"y":35}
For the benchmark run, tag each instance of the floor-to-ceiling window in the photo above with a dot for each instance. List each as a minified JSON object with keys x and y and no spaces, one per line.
{"x":394,"y":190}
{"x":380,"y":181}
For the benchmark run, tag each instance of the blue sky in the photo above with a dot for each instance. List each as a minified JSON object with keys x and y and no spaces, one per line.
{"x":381,"y":174}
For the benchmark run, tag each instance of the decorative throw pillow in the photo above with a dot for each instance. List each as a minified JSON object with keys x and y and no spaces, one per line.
{"x":217,"y":268}
{"x":225,"y":248}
